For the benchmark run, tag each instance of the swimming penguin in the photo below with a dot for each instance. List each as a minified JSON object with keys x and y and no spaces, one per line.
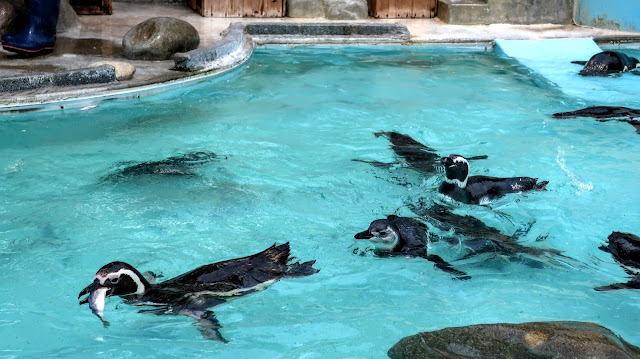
{"x":404,"y":236}
{"x":192,"y":293}
{"x":606,"y":113}
{"x":480,"y":238}
{"x":625,"y":249}
{"x":182,"y":165}
{"x":607,"y":63}
{"x":480,"y":189}
{"x":418,"y":156}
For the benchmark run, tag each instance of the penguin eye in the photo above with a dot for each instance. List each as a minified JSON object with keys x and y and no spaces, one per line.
{"x":115,"y":280}
{"x":383,"y":233}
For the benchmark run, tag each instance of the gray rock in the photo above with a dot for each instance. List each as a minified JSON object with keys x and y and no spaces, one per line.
{"x":305,"y":8}
{"x":159,"y":38}
{"x":537,"y":340}
{"x":346,"y":9}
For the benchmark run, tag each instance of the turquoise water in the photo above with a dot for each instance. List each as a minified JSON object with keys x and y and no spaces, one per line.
{"x":287,"y":126}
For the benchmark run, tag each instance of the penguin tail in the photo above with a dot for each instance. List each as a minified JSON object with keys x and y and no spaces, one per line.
{"x":278,"y":253}
{"x":298,"y":269}
{"x":541,"y":186}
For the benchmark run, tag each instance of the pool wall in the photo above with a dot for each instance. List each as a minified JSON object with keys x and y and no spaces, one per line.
{"x":610,"y":14}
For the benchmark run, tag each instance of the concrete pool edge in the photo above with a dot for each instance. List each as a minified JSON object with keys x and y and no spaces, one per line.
{"x":240,"y":38}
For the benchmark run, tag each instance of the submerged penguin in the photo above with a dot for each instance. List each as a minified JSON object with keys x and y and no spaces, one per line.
{"x":480,"y":238}
{"x":606,"y":113}
{"x":192,"y":293}
{"x":182,"y":165}
{"x":416,"y":155}
{"x":480,"y":189}
{"x":404,"y":236}
{"x":607,"y":63}
{"x":625,"y":249}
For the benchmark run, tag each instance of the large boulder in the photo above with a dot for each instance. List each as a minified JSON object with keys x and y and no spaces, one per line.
{"x":537,"y":340}
{"x":159,"y":38}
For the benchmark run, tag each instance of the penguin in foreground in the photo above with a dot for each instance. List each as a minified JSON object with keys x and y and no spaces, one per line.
{"x":625,"y":249}
{"x":192,"y":293}
{"x":480,"y":189}
{"x":404,"y":236}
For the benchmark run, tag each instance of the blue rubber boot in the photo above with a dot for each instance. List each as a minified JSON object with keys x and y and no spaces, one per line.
{"x":39,"y":34}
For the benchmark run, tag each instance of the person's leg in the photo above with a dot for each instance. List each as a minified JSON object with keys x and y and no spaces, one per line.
{"x":39,"y":34}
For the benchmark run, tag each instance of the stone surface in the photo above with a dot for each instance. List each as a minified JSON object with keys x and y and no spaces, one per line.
{"x":86,"y":76}
{"x":346,"y":9}
{"x":305,"y":8}
{"x":124,"y":70}
{"x":159,"y":38}
{"x":536,"y":340}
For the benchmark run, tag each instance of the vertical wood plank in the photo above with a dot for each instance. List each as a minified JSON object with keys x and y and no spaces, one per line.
{"x":234,"y":8}
{"x":403,"y":8}
{"x":420,"y":8}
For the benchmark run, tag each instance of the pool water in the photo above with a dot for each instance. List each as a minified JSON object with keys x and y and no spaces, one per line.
{"x":286,"y":127}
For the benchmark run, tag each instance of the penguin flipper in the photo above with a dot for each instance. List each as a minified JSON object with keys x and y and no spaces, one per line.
{"x":298,"y":269}
{"x":446,"y":267}
{"x":207,"y":324}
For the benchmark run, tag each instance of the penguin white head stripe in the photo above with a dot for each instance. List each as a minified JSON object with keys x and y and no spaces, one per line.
{"x":113,"y":278}
{"x":382,"y":233}
{"x":456,"y":170}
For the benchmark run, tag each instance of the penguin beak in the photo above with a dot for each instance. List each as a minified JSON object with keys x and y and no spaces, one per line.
{"x":446,"y":161}
{"x":363,"y":235}
{"x":90,"y":288}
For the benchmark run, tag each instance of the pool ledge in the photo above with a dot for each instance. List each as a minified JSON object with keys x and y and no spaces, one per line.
{"x":241,"y":38}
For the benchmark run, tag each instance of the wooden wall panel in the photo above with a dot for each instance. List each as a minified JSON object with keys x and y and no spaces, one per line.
{"x":402,"y":8}
{"x":239,"y":8}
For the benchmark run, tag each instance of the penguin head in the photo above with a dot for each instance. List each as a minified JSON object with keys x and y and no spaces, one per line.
{"x":382,"y":233}
{"x":456,"y":169}
{"x":116,"y":278}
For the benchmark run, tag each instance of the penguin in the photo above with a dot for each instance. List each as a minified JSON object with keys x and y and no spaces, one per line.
{"x":625,"y":249}
{"x":182,"y":165}
{"x":480,"y":189}
{"x":480,"y":238}
{"x":417,"y":156}
{"x":607,"y":63}
{"x":404,"y":236}
{"x":194,"y":292}
{"x":606,"y":113}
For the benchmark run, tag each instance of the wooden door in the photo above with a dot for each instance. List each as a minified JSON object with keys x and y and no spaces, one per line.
{"x":402,"y":8}
{"x":239,"y":8}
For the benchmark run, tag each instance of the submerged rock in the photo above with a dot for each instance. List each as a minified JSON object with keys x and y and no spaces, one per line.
{"x":159,"y":38}
{"x":536,"y":340}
